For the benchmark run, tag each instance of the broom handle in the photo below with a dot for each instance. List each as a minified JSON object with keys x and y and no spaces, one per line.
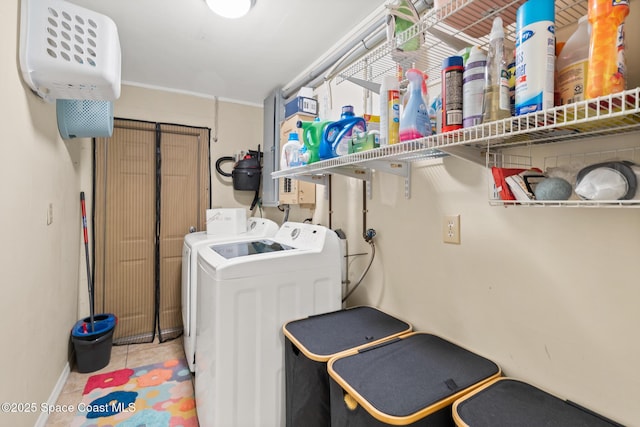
{"x":86,"y":253}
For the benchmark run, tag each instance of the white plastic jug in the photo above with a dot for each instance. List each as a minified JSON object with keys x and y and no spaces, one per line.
{"x":572,"y":65}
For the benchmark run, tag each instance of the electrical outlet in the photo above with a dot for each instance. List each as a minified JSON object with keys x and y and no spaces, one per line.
{"x":451,"y":229}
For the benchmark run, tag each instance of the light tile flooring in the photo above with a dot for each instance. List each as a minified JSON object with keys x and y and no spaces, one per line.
{"x":123,"y":356}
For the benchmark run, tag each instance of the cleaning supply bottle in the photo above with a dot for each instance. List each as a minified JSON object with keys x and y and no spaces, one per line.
{"x":452,"y":70}
{"x":336,"y":134}
{"x":425,"y":98}
{"x":606,"y":63}
{"x":414,"y":122}
{"x":389,"y":111}
{"x":496,"y":91}
{"x":535,"y":56}
{"x":572,"y":65}
{"x":312,"y":134}
{"x":511,"y":75}
{"x":291,"y":155}
{"x":473,"y":87}
{"x":435,"y":113}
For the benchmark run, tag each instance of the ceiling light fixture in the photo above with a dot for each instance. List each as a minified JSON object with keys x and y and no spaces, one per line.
{"x":231,"y":8}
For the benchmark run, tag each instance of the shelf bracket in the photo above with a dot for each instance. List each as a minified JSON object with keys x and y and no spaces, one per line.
{"x":314,"y":179}
{"x":470,"y":154}
{"x":363,"y":174}
{"x":399,"y":168}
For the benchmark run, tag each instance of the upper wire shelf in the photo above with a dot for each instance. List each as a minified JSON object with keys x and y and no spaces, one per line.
{"x":606,"y":115}
{"x":443,"y":32}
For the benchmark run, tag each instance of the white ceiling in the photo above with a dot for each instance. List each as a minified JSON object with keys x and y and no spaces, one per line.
{"x":181,"y":45}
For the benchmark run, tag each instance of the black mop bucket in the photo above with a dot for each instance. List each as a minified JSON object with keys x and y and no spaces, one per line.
{"x":93,"y":349}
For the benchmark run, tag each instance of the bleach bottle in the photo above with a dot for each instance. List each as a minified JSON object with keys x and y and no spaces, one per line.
{"x":312,"y":135}
{"x":336,"y":135}
{"x":572,"y":65}
{"x":415,"y":122}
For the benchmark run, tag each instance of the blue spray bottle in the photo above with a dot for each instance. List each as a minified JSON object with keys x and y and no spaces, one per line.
{"x":414,"y":121}
{"x":336,"y":135}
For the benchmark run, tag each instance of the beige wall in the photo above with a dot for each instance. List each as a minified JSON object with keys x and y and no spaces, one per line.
{"x":38,"y":262}
{"x":550,"y":294}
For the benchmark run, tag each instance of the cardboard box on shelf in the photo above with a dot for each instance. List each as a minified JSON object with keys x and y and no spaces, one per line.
{"x":303,"y":103}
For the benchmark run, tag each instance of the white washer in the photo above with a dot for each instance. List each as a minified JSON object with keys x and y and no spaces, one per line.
{"x":256,"y":227}
{"x":246,"y":291}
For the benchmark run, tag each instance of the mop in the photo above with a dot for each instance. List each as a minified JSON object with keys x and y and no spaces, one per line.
{"x":86,"y":252}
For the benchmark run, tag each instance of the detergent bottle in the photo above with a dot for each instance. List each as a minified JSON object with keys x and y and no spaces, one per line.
{"x":415,"y":122}
{"x":606,"y":49}
{"x":291,"y":152}
{"x":336,"y":135}
{"x":312,"y":134}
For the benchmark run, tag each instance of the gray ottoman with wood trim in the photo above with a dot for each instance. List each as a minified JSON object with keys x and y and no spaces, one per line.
{"x":411,"y":381}
{"x":311,"y":342}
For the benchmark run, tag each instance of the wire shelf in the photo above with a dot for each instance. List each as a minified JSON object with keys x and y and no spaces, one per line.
{"x":442,"y":32}
{"x":568,"y":165}
{"x":409,"y":151}
{"x":460,"y":23}
{"x":608,"y":115}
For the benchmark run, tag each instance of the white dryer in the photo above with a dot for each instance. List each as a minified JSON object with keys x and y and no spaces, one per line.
{"x":246,"y":291}
{"x":256,"y":227}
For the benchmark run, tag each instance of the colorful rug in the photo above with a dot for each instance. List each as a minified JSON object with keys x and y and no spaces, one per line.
{"x":149,"y":396}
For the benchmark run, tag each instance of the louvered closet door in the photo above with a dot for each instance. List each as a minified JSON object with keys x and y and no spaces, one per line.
{"x":184,"y":197}
{"x":151,"y":186}
{"x":125,"y":229}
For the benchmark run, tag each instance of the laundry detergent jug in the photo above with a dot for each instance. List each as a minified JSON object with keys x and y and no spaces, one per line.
{"x":312,"y":134}
{"x":336,"y":135}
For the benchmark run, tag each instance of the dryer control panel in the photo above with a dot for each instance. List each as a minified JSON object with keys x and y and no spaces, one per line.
{"x":302,"y":235}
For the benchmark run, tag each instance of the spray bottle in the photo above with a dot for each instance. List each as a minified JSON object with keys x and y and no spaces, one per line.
{"x":415,"y":122}
{"x":496,"y":92}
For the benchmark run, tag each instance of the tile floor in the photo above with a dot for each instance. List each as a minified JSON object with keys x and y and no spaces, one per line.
{"x":123,"y":356}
